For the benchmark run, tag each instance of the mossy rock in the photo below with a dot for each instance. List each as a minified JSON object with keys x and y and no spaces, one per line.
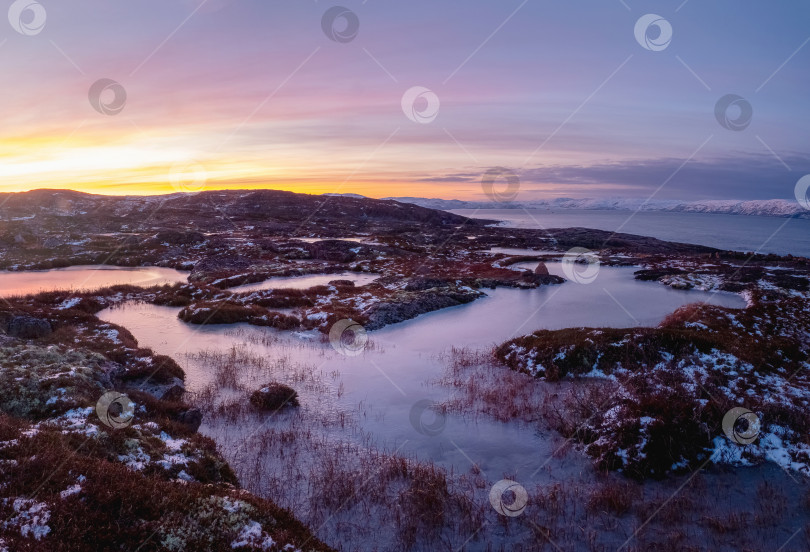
{"x":274,"y":396}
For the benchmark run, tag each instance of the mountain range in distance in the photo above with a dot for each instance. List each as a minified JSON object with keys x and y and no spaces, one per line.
{"x":767,"y":207}
{"x":68,"y":201}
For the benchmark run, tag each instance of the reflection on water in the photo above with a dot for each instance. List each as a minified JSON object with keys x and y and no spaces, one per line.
{"x":85,"y":278}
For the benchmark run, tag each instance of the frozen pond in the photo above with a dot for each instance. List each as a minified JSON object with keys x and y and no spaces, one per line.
{"x":394,"y":374}
{"x":86,"y":278}
{"x":356,"y":407}
{"x":306,"y":282}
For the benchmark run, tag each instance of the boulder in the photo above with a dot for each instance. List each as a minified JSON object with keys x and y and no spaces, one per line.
{"x":274,"y":396}
{"x":28,"y":327}
{"x":534,"y":279}
{"x":174,"y":393}
{"x":192,"y":418}
{"x":542,"y":269}
{"x":156,"y":383}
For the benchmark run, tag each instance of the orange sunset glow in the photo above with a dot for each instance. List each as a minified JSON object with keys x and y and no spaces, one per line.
{"x":104,"y":102}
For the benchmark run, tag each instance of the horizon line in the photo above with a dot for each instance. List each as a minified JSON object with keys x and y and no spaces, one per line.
{"x":383,"y":198}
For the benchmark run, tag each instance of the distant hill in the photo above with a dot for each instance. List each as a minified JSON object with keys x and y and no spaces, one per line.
{"x":768,"y":207}
{"x":213,"y":211}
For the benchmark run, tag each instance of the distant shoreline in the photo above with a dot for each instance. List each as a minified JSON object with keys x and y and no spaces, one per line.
{"x":781,"y":208}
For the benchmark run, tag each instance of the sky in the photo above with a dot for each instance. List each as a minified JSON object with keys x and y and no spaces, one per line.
{"x":686,"y":100}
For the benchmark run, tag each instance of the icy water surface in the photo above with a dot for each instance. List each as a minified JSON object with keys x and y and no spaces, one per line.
{"x":735,"y":232}
{"x":352,"y":408}
{"x":86,"y":278}
{"x":396,"y":372}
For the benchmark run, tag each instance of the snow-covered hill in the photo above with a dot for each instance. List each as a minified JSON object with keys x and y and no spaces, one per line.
{"x":768,"y":207}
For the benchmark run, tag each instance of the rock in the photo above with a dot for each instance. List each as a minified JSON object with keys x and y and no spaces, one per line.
{"x":28,"y":327}
{"x":342,"y":283}
{"x":274,"y":396}
{"x":421,"y":284}
{"x":173,"y":393}
{"x":549,"y":280}
{"x":542,"y":269}
{"x":192,"y":418}
{"x":152,"y":383}
{"x":412,"y":305}
{"x":649,"y":275}
{"x":534,"y":279}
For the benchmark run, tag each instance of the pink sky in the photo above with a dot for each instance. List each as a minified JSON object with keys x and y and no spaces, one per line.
{"x":250,"y":94}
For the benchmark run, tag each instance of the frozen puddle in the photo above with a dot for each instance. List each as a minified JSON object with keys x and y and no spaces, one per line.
{"x":86,"y":278}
